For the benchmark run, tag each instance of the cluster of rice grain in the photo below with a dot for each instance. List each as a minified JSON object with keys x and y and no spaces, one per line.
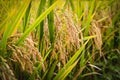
{"x":6,"y":72}
{"x":26,"y":57}
{"x":67,"y":35}
{"x":95,"y":30}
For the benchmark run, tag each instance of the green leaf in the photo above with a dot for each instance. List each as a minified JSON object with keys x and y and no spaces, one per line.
{"x":68,"y":70}
{"x":26,"y":17}
{"x":13,"y":25}
{"x":71,"y":61}
{"x":51,"y":23}
{"x":51,"y":70}
{"x":36,"y":23}
{"x":40,"y":27}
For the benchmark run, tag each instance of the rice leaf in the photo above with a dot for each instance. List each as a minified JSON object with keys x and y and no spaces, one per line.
{"x":90,"y":16}
{"x":36,"y":23}
{"x":39,"y":28}
{"x":26,"y":18}
{"x":68,"y":70}
{"x":13,"y":26}
{"x":51,"y":23}
{"x":71,"y":61}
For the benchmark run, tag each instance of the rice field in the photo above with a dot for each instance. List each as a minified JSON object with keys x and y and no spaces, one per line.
{"x":59,"y":39}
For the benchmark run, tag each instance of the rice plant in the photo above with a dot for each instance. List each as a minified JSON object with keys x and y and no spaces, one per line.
{"x":59,"y":39}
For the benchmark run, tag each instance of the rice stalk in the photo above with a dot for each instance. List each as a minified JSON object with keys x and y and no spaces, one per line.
{"x":38,"y":20}
{"x":40,"y":28}
{"x":51,"y":23}
{"x":26,"y":17}
{"x":13,"y":26}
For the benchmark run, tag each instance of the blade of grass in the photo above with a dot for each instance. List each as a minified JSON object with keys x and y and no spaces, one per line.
{"x":48,"y":52}
{"x":4,"y":24}
{"x":12,"y":12}
{"x":89,"y":37}
{"x":71,"y":61}
{"x":26,"y":17}
{"x":39,"y":28}
{"x":72,"y":4}
{"x":78,"y":73}
{"x":51,"y":23}
{"x":90,"y":16}
{"x":36,"y":23}
{"x":68,"y":70}
{"x":91,"y":73}
{"x":79,"y":9}
{"x":13,"y":26}
{"x":82,"y":60}
{"x":51,"y":70}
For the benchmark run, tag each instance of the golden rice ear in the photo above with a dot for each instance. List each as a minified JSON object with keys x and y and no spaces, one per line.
{"x":26,"y":55}
{"x":67,"y":34}
{"x":6,"y":73}
{"x":95,"y":30}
